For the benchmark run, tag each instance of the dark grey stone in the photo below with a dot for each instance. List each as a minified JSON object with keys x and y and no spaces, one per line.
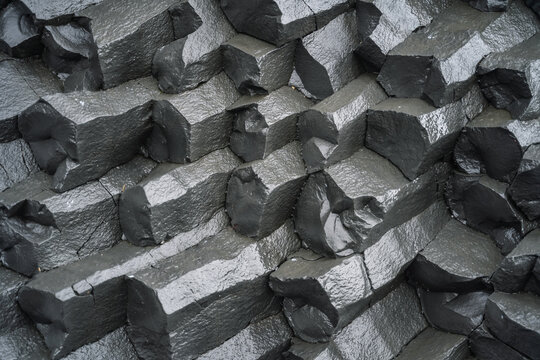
{"x":351,"y":204}
{"x":265,"y":339}
{"x":458,"y":260}
{"x":335,"y":128}
{"x":23,"y":343}
{"x":261,"y":194}
{"x":534,"y":5}
{"x":486,"y":347}
{"x":263,"y":124}
{"x":492,"y":143}
{"x":194,"y":301}
{"x":19,"y":35}
{"x":11,"y":316}
{"x":414,"y":135}
{"x":533,"y":285}
{"x":56,"y":11}
{"x":190,"y":125}
{"x":515,"y":320}
{"x":442,"y":57}
{"x":175,"y":198}
{"x":79,"y":136}
{"x":525,"y":189}
{"x":16,"y":163}
{"x":255,"y":66}
{"x":489,"y":5}
{"x":296,"y":83}
{"x":85,"y":300}
{"x":194,"y":57}
{"x":301,"y":350}
{"x":432,"y":344}
{"x":113,"y":346}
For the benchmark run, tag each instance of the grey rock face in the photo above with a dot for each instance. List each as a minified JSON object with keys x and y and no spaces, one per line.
{"x":195,"y":57}
{"x":83,"y":301}
{"x":486,"y":347}
{"x":261,"y":194}
{"x":489,"y":5}
{"x":172,"y":307}
{"x":79,"y":136}
{"x":56,"y":11}
{"x":383,"y":25}
{"x":535,"y":6}
{"x":404,"y":242}
{"x":414,"y":135}
{"x":325,"y":59}
{"x":265,"y":339}
{"x":23,"y":343}
{"x":192,"y":124}
{"x":11,"y":317}
{"x":19,"y":35}
{"x":442,"y":57}
{"x":510,"y":79}
{"x":255,"y":66}
{"x":458,"y":260}
{"x":263,"y":124}
{"x":350,"y":205}
{"x":113,"y":346}
{"x":322,"y":295}
{"x":525,"y":189}
{"x":492,"y":143}
{"x":16,"y":163}
{"x":432,"y":344}
{"x":335,"y":128}
{"x":515,"y":320}
{"x":175,"y":198}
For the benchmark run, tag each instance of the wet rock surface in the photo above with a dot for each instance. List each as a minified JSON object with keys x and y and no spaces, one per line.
{"x":435,"y":345}
{"x":485,"y":346}
{"x":19,"y":35}
{"x":525,"y":188}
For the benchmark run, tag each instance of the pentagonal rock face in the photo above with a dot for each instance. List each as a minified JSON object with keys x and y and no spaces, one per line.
{"x":441,"y":58}
{"x":486,"y":347}
{"x":458,"y":260}
{"x":492,"y":143}
{"x":482,"y":203}
{"x":172,"y":306}
{"x":265,"y":339}
{"x":325,"y":59}
{"x":195,"y":57}
{"x":525,"y":189}
{"x":322,"y":295}
{"x":335,"y":128}
{"x":509,"y":79}
{"x":515,"y":320}
{"x":85,"y":300}
{"x":255,"y":66}
{"x":263,"y":124}
{"x":79,"y":136}
{"x":261,"y":194}
{"x":16,"y":163}
{"x":412,"y":134}
{"x":383,"y":25}
{"x":19,"y":35}
{"x":175,"y":198}
{"x":353,"y":203}
{"x":432,"y":344}
{"x":192,"y":124}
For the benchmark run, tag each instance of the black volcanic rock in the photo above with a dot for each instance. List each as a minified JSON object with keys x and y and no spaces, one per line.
{"x":432,"y":344}
{"x":16,"y":163}
{"x":486,"y":347}
{"x":489,"y":5}
{"x":19,"y":35}
{"x":525,"y":189}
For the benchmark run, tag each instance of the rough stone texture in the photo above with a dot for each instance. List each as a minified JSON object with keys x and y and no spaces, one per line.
{"x":486,"y":347}
{"x":322,"y":295}
{"x":335,"y":128}
{"x":172,"y":308}
{"x":113,"y":346}
{"x":483,"y":204}
{"x":414,"y":135}
{"x":11,"y":317}
{"x":350,"y":205}
{"x":192,"y":124}
{"x":511,"y":80}
{"x":261,"y":194}
{"x":403,"y":242}
{"x":19,"y":35}
{"x":195,"y":57}
{"x":525,"y":189}
{"x":263,"y":124}
{"x":534,"y":5}
{"x":56,"y":11}
{"x":325,"y":59}
{"x":459,"y":260}
{"x":265,"y":339}
{"x":382,"y":25}
{"x":255,"y":66}
{"x":296,"y":83}
{"x":23,"y":82}
{"x":16,"y":163}
{"x":515,"y":320}
{"x":23,"y":343}
{"x":453,"y":312}
{"x":489,"y":5}
{"x":85,"y":300}
{"x":175,"y":198}
{"x":492,"y":143}
{"x":432,"y":344}
{"x":442,"y":57}
{"x":79,"y":136}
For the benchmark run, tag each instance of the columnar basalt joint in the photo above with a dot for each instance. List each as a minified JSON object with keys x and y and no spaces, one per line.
{"x":525,"y":188}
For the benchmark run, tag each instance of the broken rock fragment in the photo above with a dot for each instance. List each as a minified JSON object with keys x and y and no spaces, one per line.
{"x":255,"y":66}
{"x":261,"y":194}
{"x":263,"y":124}
{"x":486,"y":347}
{"x":432,"y":344}
{"x":16,"y":163}
{"x":489,"y":5}
{"x":19,"y":35}
{"x":335,"y":128}
{"x":525,"y":189}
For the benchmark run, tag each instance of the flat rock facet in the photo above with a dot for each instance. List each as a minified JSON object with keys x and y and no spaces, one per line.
{"x":489,"y":5}
{"x":16,"y":163}
{"x":113,"y":346}
{"x":11,"y":317}
{"x":486,"y":347}
{"x":19,"y":35}
{"x":432,"y":344}
{"x":23,"y":343}
{"x":525,"y":188}
{"x":56,"y":11}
